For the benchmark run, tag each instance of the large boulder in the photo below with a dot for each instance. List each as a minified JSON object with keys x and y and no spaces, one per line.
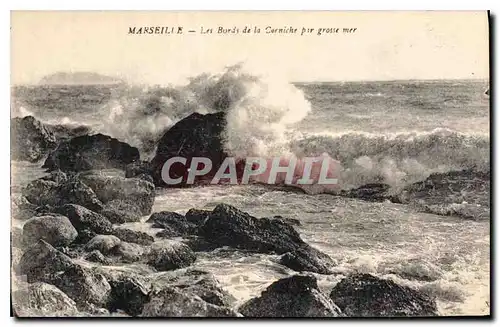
{"x":88,"y":152}
{"x":41,"y":261}
{"x":134,"y":196}
{"x":84,"y":285}
{"x":193,"y":281}
{"x":295,"y":296}
{"x":86,"y":222}
{"x":30,"y":139}
{"x":55,"y":230}
{"x":170,"y":255}
{"x":172,"y":302}
{"x":194,"y":136}
{"x":133,"y":236}
{"x":48,"y":192}
{"x":364,"y":295}
{"x":228,"y":226}
{"x":42,"y":300}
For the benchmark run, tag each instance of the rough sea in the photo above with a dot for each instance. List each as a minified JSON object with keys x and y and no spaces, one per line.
{"x":395,"y":132}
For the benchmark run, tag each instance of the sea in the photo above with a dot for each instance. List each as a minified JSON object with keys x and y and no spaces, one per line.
{"x":393,"y":132}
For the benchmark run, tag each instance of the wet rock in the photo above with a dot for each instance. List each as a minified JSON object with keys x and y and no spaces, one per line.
{"x":42,"y":300}
{"x":197,"y":217}
{"x":375,"y":192}
{"x":364,"y":295}
{"x":84,"y":285}
{"x":129,"y":293}
{"x":194,"y":136}
{"x":42,"y":192}
{"x":196,"y":282}
{"x":128,"y":252}
{"x":30,"y":139}
{"x":307,"y":260}
{"x":172,"y":220}
{"x":86,"y":221}
{"x":102,"y":243}
{"x":134,"y":195}
{"x":170,"y":255}
{"x":133,"y":236}
{"x":228,"y":226}
{"x":42,"y":260}
{"x":171,"y":302}
{"x":296,"y":296}
{"x":55,"y":230}
{"x":88,"y":152}
{"x":97,"y":256}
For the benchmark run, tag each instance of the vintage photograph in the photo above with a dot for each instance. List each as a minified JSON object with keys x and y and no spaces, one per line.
{"x":260,"y":164}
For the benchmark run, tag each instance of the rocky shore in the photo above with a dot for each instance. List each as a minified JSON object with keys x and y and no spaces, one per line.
{"x":70,"y":257}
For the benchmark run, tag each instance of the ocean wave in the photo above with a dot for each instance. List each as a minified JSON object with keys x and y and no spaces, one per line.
{"x":398,"y":159}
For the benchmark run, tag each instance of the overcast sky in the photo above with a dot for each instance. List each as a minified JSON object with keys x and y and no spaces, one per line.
{"x":385,"y":46}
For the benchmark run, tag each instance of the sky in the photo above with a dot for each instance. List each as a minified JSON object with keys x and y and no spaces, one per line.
{"x":385,"y":45}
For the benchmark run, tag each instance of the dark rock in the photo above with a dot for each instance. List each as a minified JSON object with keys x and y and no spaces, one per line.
{"x":128,"y":252}
{"x":194,"y":136}
{"x":197,"y":217}
{"x":442,"y":194}
{"x":55,"y":230}
{"x":170,"y":255}
{"x":97,"y":256}
{"x":30,"y":139}
{"x":375,"y":192}
{"x":196,"y":282}
{"x":43,"y":192}
{"x":84,"y":219}
{"x":307,"y":260}
{"x":228,"y":226}
{"x":126,"y":194}
{"x":295,"y":296}
{"x":41,"y":260}
{"x":171,"y":220}
{"x":129,"y":293}
{"x":171,"y":302}
{"x":84,"y":285}
{"x":102,"y":243}
{"x":42,"y":300}
{"x":132,"y":236}
{"x":88,"y":152}
{"x":364,"y":295}
{"x":196,"y":243}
